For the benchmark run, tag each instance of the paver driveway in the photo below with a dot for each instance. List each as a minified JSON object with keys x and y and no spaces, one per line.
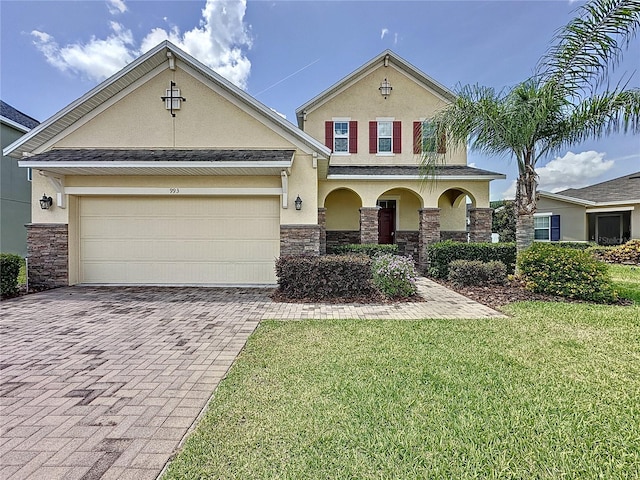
{"x":105,"y":382}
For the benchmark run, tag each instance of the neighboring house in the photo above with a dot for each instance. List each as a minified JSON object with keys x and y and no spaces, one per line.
{"x":166,"y":173}
{"x":15,"y":206}
{"x":607,"y":213}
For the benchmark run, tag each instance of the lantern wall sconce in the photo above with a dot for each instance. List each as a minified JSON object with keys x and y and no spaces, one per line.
{"x":298,"y":203}
{"x":46,"y":202}
{"x":385,"y":88}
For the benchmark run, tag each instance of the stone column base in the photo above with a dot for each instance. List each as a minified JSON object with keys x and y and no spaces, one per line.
{"x":480,"y":220}
{"x":299,"y":240}
{"x":369,"y":224}
{"x":48,"y":255}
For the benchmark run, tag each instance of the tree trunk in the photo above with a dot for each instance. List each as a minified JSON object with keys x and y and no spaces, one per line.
{"x":526,"y":199}
{"x":524,"y":232}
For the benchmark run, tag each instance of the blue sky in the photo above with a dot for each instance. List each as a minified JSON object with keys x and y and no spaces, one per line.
{"x":286,"y":52}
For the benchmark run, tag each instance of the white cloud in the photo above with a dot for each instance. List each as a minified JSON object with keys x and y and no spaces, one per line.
{"x":97,"y":59}
{"x":116,"y":6}
{"x":219,"y":41}
{"x":573,"y":170}
{"x":383,"y":33}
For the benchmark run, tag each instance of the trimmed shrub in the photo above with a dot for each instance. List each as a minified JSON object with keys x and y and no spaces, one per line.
{"x":575,"y":245}
{"x":441,"y":254}
{"x":327,"y":276}
{"x":569,"y":273}
{"x":475,"y":272}
{"x":599,"y":252}
{"x":394,"y":275}
{"x":369,"y":249}
{"x":627,"y":253}
{"x":9,"y":271}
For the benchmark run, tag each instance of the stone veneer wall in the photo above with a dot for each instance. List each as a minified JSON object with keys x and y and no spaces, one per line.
{"x":299,"y":239}
{"x":429,"y":233}
{"x":48,"y":255}
{"x":408,"y":244}
{"x":480,"y":224}
{"x":341,"y":237}
{"x":322,"y":223}
{"x":455,"y":235}
{"x":369,"y":224}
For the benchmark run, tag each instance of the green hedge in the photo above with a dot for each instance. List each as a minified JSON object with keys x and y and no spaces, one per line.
{"x":474,"y":272}
{"x":441,"y":254}
{"x":325,"y":277}
{"x":575,"y":245}
{"x":566,"y":272}
{"x":369,"y":249}
{"x":9,"y":271}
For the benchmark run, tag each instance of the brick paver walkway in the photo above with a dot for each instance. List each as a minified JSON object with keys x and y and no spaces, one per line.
{"x":105,"y":382}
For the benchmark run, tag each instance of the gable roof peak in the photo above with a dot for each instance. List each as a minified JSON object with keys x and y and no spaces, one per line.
{"x":384,"y":58}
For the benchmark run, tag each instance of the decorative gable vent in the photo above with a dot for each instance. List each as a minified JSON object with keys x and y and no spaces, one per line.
{"x":172,"y":99}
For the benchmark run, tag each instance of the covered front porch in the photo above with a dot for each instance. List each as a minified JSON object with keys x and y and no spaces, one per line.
{"x":404,"y":214}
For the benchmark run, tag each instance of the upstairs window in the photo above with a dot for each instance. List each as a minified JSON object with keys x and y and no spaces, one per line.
{"x":385,"y":137}
{"x":341,"y":136}
{"x":424,"y":139}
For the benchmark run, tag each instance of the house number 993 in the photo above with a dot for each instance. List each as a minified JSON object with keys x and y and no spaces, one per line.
{"x":174,"y":190}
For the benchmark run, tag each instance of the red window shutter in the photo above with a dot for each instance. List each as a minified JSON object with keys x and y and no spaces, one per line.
{"x":442,"y":144}
{"x":417,"y":137}
{"x":397,"y":137}
{"x":353,"y":137}
{"x":328,"y":134}
{"x":373,"y":137}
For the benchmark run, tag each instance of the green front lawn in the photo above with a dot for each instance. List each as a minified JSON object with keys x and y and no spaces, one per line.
{"x":626,"y":280}
{"x":550,"y":392}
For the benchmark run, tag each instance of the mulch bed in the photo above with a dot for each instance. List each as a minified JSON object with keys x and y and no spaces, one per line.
{"x":495,"y":296}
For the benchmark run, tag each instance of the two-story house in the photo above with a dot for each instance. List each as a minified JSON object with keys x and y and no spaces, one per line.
{"x":15,"y":202}
{"x":166,"y":173}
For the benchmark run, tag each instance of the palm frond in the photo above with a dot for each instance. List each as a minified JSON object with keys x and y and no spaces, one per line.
{"x":590,"y":45}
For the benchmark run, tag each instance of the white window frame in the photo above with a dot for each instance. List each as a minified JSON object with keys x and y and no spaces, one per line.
{"x":548,"y":228}
{"x":390,"y":121}
{"x":341,"y":120}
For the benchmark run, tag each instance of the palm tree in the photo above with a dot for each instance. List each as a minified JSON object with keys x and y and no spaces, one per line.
{"x":563,"y":104}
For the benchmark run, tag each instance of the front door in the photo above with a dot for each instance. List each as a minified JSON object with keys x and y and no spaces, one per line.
{"x":386,"y":221}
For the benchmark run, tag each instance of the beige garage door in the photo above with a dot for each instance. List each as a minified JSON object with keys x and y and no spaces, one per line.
{"x":179,"y":240}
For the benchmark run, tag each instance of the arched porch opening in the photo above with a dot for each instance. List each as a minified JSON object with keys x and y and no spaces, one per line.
{"x":454,"y":205}
{"x":399,"y":220}
{"x":342,"y":218}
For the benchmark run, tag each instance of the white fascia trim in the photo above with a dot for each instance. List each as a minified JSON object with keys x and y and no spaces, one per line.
{"x":564,"y":198}
{"x":414,"y":177}
{"x":610,"y":209}
{"x":160,"y":165}
{"x":543,"y":214}
{"x":611,"y":204}
{"x":14,"y":124}
{"x":176,"y":191}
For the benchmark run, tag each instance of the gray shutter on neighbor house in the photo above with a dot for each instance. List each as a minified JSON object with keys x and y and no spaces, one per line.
{"x":555,"y":228}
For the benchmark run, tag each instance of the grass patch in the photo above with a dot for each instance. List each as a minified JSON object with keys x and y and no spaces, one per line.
{"x":550,"y":392}
{"x":22,"y":275}
{"x":626,"y":281}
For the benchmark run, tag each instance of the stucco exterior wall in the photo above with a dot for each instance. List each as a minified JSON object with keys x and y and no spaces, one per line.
{"x":362,"y":102}
{"x":573,"y":218}
{"x":635,"y":222}
{"x":205,"y":120}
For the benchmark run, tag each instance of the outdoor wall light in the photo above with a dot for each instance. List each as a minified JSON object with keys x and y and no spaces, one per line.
{"x":46,"y":202}
{"x":385,"y":88}
{"x":298,"y":202}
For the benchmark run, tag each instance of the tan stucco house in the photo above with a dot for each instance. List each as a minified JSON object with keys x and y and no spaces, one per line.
{"x":607,"y":213}
{"x":166,"y":173}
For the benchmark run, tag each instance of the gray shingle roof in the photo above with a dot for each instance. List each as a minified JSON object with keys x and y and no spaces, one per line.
{"x":111,"y":155}
{"x":441,"y":171}
{"x":17,"y":116}
{"x":620,"y":189}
